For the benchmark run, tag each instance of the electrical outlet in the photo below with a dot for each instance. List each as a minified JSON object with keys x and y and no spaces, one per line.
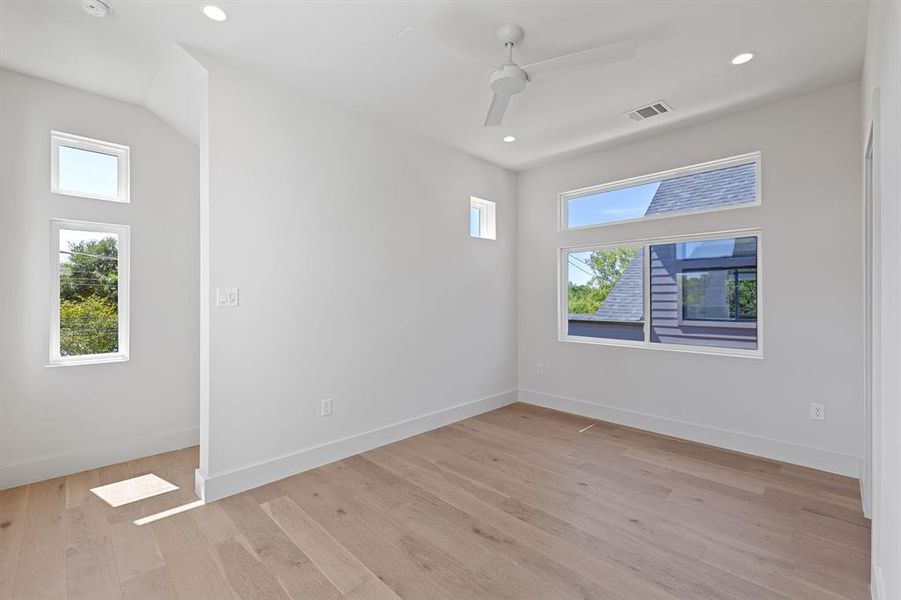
{"x":539,"y":369}
{"x":327,"y":407}
{"x":817,"y":411}
{"x":227,"y":297}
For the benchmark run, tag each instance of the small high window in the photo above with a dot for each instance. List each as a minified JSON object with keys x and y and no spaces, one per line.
{"x":89,"y":287}
{"x":717,"y":185}
{"x":481,"y":219}
{"x":88,"y":168}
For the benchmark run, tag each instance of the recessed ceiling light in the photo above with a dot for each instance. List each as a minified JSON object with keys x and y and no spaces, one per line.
{"x":509,"y":139}
{"x":214,"y":12}
{"x":742,"y":58}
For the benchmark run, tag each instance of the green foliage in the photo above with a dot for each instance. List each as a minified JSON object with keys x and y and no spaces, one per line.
{"x":89,"y":298}
{"x":607,"y":266}
{"x":88,"y":326}
{"x":92,"y":269}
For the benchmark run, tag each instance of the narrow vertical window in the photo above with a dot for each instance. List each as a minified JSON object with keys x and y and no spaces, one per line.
{"x":89,"y":303}
{"x":482,"y":219}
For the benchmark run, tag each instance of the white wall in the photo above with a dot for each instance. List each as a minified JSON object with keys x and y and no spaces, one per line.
{"x":358,"y":282}
{"x":60,"y":420}
{"x":881,"y":97}
{"x":811,"y":280}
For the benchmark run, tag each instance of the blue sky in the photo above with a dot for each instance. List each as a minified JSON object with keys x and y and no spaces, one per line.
{"x":89,"y":172}
{"x":579,"y":271}
{"x":72,"y":236}
{"x":607,"y":207}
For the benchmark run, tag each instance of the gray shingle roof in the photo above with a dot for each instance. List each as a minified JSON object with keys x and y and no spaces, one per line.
{"x":624,"y":303}
{"x":729,"y":186}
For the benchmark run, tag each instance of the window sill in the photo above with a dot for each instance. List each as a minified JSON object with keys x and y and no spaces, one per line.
{"x":737,"y":353}
{"x":96,"y":360}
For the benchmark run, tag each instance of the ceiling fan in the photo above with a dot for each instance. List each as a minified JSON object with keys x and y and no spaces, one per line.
{"x":509,"y":78}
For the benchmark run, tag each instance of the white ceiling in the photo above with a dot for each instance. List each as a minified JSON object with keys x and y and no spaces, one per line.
{"x":349,"y":52}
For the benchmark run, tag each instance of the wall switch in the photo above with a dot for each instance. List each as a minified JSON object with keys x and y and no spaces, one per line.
{"x":327,"y":407}
{"x":539,"y":369}
{"x":227,"y":297}
{"x":817,"y":411}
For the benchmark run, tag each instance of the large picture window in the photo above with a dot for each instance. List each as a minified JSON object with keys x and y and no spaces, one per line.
{"x":89,"y":287}
{"x":686,"y":293}
{"x":717,"y":185}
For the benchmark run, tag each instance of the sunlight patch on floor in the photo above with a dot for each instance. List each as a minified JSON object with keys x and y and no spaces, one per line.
{"x":169,"y":513}
{"x":134,"y":489}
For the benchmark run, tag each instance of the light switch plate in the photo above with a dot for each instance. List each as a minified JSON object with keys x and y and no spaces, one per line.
{"x":227,"y":297}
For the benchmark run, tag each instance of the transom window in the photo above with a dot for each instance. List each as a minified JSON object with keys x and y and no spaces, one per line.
{"x":88,"y":168}
{"x":717,"y":185}
{"x":89,"y":292}
{"x":681,"y":293}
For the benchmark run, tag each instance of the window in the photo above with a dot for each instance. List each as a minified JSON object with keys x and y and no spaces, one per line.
{"x":680,"y":294}
{"x":88,"y":168}
{"x":89,"y":303}
{"x":717,"y":185}
{"x":481,"y":218}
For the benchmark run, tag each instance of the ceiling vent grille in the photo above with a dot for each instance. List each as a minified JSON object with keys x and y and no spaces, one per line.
{"x":651,"y":110}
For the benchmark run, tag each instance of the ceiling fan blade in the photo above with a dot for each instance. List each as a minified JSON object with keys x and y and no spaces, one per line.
{"x":496,"y":110}
{"x":420,"y":35}
{"x":580,"y":60}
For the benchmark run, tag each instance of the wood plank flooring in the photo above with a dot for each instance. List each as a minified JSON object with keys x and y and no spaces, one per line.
{"x":513,"y":504}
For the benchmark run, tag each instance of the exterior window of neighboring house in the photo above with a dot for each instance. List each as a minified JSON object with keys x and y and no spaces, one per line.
{"x":481,"y":219}
{"x":89,"y":292}
{"x":688,"y":293}
{"x":88,"y":168}
{"x":717,"y":185}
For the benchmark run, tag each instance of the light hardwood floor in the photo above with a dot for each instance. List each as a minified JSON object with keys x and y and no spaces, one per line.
{"x":514,"y":504}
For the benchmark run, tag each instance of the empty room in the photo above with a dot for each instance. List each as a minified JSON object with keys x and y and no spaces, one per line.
{"x":450,"y":300}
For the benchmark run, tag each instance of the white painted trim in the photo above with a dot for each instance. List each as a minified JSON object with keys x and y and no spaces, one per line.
{"x":646,"y":243}
{"x":121,"y":152}
{"x":92,"y":457}
{"x":806,"y":456}
{"x":123,"y":232}
{"x":712,"y":165}
{"x":877,"y":583}
{"x":218,"y":486}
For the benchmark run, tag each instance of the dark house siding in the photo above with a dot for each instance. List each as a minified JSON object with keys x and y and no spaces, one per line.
{"x":666,"y":325}
{"x":605,"y":329}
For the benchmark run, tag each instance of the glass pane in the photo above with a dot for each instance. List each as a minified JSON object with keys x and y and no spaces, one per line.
{"x":728,"y":186}
{"x":88,"y":172}
{"x":88,"y":292}
{"x":474,"y":217}
{"x":605,"y":296}
{"x":704,"y":293}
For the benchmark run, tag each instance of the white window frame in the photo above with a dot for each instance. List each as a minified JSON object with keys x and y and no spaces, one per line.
{"x":487,"y":218}
{"x":59,"y":138}
{"x":124,"y":233}
{"x":563,"y":293}
{"x":713,"y":165}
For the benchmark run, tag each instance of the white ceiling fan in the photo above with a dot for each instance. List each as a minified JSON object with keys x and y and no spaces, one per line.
{"x":509,"y":78}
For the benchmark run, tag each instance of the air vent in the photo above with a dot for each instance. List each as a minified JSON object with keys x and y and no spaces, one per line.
{"x":651,"y":110}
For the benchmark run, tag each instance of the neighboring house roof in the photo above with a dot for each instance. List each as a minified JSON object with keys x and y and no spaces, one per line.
{"x":729,"y":186}
{"x":624,"y":303}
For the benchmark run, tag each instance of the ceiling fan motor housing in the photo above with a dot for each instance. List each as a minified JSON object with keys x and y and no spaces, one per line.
{"x":508,"y":80}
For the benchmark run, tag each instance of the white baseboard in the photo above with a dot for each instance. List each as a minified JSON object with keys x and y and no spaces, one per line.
{"x":93,"y":457}
{"x":877,"y":584}
{"x":218,"y":486}
{"x":815,"y":458}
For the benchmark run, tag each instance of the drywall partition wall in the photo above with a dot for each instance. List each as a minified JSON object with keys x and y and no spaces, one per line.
{"x":358,"y":282}
{"x":810,"y":277}
{"x":881,"y":97}
{"x":64,"y":419}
